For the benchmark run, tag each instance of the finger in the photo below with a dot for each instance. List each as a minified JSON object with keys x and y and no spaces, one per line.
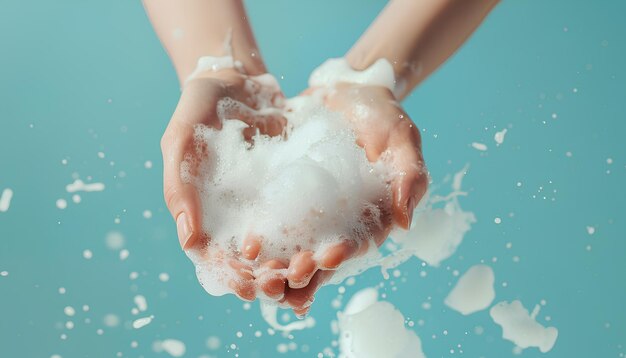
{"x":301,"y":298}
{"x":181,"y":198}
{"x":411,"y":181}
{"x":335,"y":255}
{"x":301,"y":268}
{"x":301,"y":312}
{"x":251,"y":247}
{"x":272,"y":280}
{"x":242,"y":284}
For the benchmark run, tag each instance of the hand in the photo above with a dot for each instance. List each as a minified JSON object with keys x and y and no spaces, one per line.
{"x":198,"y":105}
{"x":387,"y":133}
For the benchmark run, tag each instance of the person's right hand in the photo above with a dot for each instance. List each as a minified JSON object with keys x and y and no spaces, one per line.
{"x":198,"y":106}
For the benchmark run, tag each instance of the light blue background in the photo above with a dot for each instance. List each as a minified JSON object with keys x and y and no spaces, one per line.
{"x":79,"y":77}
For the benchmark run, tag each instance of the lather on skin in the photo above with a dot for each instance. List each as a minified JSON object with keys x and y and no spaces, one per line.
{"x":415,"y":36}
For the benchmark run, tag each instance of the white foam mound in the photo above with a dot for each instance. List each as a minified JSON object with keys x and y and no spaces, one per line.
{"x":521,"y":328}
{"x":302,"y":191}
{"x":372,"y":328}
{"x":473,"y":292}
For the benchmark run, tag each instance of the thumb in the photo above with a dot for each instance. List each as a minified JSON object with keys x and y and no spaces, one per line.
{"x":181,"y":197}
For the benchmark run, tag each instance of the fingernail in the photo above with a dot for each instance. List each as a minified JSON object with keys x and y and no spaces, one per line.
{"x":183,"y":228}
{"x":410,"y":207}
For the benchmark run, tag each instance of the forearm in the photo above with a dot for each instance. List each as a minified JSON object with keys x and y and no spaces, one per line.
{"x":190,"y":29}
{"x":417,"y":36}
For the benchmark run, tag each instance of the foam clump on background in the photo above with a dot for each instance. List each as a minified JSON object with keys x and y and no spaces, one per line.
{"x":305,"y":190}
{"x":474,"y":291}
{"x":521,"y":328}
{"x":372,"y":328}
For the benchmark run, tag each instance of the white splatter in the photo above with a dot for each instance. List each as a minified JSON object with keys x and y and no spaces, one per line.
{"x":473,"y":292}
{"x":142,"y":322}
{"x":61,"y":204}
{"x":141,"y":302}
{"x":79,"y":185}
{"x":69,"y":311}
{"x":499,"y":136}
{"x":521,"y":328}
{"x":5,"y":200}
{"x":114,"y":240}
{"x":372,"y":328}
{"x":479,"y":146}
{"x":173,"y":347}
{"x":87,"y":254}
{"x":213,"y":343}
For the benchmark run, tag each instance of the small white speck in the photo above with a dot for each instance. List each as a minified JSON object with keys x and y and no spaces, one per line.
{"x":124,"y":253}
{"x":499,"y":136}
{"x":591,"y":230}
{"x":479,"y":146}
{"x":61,"y":204}
{"x":497,"y":220}
{"x":142,"y":322}
{"x":147,"y":164}
{"x":213,"y":343}
{"x":76,"y":198}
{"x":147,"y":214}
{"x":164,"y":277}
{"x":87,"y":254}
{"x":69,"y":311}
{"x":609,"y":161}
{"x":101,"y":155}
{"x":4,"y":273}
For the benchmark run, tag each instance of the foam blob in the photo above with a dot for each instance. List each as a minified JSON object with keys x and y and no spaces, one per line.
{"x":335,"y":70}
{"x":479,"y":146}
{"x":499,"y":136}
{"x":142,"y":322}
{"x":473,"y":292}
{"x":5,"y":200}
{"x":521,"y":328}
{"x":372,"y":328}
{"x":173,"y":347}
{"x":304,"y":191}
{"x":79,"y":185}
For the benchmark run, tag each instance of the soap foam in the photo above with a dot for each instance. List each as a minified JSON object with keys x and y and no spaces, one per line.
{"x":473,"y":292}
{"x":372,"y":328}
{"x":520,"y":327}
{"x":305,"y":190}
{"x":5,"y":199}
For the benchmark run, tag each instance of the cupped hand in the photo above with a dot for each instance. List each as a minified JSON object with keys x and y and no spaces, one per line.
{"x":198,"y":106}
{"x":386,"y":133}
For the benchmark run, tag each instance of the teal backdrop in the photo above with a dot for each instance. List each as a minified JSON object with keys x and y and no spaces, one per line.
{"x":82,"y":77}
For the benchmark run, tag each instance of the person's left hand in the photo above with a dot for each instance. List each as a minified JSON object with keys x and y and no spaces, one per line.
{"x":387,"y":133}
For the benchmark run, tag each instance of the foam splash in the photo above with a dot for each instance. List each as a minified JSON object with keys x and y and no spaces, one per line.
{"x":5,"y":200}
{"x":521,"y":328}
{"x":79,"y":185}
{"x":142,"y":322}
{"x":173,"y":347}
{"x":372,"y":328}
{"x":473,"y":292}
